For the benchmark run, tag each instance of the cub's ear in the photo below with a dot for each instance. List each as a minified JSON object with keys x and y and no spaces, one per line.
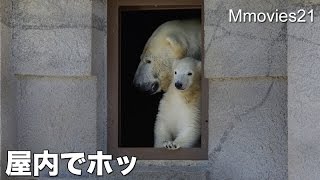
{"x":178,"y":45}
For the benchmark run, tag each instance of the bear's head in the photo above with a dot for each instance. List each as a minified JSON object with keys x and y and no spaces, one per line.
{"x":187,"y":72}
{"x":154,"y":73}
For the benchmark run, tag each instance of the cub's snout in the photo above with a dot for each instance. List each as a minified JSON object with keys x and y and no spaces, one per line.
{"x":178,"y":85}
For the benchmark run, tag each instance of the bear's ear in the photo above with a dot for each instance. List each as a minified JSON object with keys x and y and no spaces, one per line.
{"x":178,"y":46}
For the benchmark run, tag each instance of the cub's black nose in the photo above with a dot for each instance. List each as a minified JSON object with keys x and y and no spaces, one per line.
{"x":178,"y":85}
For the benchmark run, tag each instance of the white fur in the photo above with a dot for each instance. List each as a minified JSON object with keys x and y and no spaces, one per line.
{"x":178,"y":120}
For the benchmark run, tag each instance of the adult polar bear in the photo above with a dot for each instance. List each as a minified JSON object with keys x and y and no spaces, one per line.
{"x":172,"y":40}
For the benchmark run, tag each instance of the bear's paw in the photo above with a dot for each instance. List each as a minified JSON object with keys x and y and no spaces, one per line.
{"x":170,"y":145}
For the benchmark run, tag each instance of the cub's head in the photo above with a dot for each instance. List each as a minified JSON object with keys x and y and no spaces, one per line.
{"x":187,"y":72}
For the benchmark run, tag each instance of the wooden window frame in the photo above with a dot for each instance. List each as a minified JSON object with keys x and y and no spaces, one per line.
{"x":114,"y":8}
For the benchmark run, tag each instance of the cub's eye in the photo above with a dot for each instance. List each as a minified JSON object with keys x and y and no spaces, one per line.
{"x":189,"y":74}
{"x":175,"y":72}
{"x":148,"y":61}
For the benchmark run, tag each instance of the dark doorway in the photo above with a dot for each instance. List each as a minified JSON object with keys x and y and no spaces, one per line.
{"x":137,"y":111}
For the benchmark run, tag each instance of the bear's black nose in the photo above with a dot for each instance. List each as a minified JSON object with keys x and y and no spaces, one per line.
{"x":178,"y":85}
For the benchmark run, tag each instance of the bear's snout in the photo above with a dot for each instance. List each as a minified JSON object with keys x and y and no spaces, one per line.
{"x":178,"y":85}
{"x":149,"y":88}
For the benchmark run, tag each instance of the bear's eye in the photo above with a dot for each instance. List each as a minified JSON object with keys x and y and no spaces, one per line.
{"x":148,"y":61}
{"x":175,"y":72}
{"x":189,"y":74}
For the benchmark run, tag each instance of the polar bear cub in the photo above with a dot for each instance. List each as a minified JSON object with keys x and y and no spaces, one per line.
{"x":178,"y":120}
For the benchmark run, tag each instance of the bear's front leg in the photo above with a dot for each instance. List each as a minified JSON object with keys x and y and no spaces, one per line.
{"x":161,"y":134}
{"x":188,"y":137}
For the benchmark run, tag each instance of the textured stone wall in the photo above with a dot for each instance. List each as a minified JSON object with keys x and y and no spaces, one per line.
{"x":99,"y":53}
{"x":7,"y":86}
{"x":58,"y":61}
{"x":52,"y":37}
{"x":248,"y":129}
{"x":243,"y":49}
{"x":247,"y":67}
{"x":304,"y":95}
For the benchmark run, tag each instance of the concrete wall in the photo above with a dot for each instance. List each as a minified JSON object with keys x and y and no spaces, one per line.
{"x":303,"y":95}
{"x":99,"y":48}
{"x":57,"y":76}
{"x":57,"y":50}
{"x":7,"y":86}
{"x":246,"y":64}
